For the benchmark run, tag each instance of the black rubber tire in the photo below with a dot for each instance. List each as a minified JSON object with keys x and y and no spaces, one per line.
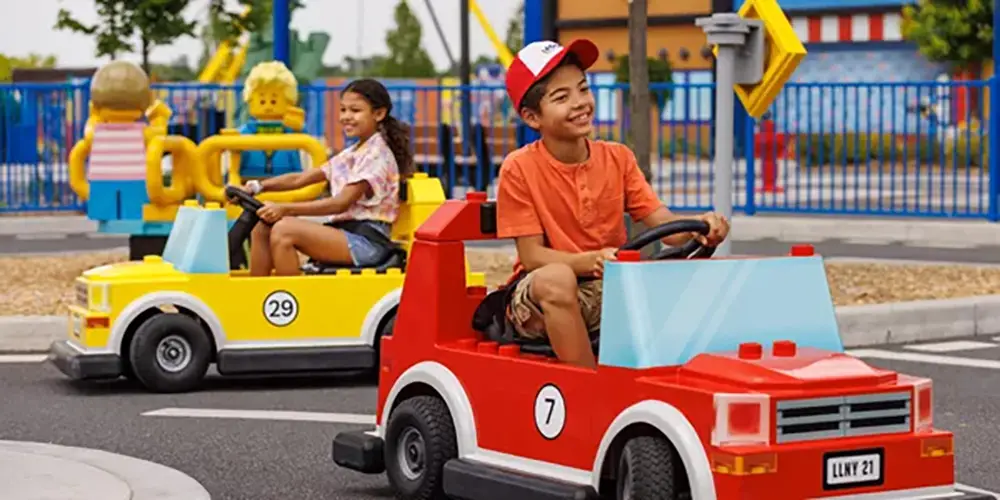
{"x":429,"y":416}
{"x":142,"y":353}
{"x":649,"y":461}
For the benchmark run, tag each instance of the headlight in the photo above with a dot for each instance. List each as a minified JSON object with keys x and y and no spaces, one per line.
{"x":742,"y":419}
{"x":97,"y":297}
{"x":923,"y":405}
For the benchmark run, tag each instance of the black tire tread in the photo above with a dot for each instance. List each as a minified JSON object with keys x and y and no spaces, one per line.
{"x":440,"y":441}
{"x":650,"y":460}
{"x":143,"y":347}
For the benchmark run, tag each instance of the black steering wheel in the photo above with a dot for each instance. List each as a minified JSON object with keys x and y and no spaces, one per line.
{"x":693,"y":249}
{"x":244,"y":225}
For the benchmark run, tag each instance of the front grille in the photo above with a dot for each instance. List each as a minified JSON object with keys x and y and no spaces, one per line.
{"x":81,"y":294}
{"x":825,"y":418}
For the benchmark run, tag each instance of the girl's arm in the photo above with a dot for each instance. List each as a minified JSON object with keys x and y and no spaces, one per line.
{"x":333,"y":205}
{"x":293,"y":180}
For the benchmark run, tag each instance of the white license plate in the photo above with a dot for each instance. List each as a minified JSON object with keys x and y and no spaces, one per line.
{"x":854,"y":469}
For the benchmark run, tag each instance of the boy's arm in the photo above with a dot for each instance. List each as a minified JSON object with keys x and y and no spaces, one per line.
{"x":517,"y":219}
{"x":643,"y":204}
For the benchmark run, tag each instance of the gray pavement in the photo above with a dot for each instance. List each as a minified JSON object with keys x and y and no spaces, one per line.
{"x":287,"y":455}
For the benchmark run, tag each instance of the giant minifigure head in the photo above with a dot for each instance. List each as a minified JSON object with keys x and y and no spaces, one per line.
{"x":120,"y":92}
{"x":270,"y":89}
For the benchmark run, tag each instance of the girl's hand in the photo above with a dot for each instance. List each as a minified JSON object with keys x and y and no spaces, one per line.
{"x":272,"y":212}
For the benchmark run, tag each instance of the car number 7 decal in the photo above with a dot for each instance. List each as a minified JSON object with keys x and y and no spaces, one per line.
{"x":550,"y":412}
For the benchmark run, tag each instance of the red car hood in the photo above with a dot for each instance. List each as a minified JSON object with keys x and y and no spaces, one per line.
{"x":810,"y":368}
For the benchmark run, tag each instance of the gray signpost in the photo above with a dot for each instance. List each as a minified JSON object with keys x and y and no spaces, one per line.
{"x":740,"y":60}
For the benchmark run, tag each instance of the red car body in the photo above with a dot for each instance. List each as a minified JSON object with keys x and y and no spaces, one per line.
{"x":527,"y":426}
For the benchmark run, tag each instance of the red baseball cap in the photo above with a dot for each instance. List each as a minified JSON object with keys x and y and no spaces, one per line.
{"x":537,"y":59}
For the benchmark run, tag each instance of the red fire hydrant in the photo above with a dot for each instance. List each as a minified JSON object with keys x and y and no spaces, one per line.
{"x":767,"y":144}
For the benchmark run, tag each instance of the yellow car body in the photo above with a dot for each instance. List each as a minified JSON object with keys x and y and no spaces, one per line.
{"x":197,"y":312}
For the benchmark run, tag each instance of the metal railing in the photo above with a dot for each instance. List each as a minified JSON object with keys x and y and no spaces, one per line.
{"x":914,"y":149}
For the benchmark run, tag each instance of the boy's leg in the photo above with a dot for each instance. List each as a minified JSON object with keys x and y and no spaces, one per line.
{"x":546,"y":302}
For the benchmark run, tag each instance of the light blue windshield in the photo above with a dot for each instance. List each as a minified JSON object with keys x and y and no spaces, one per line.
{"x":665,"y":313}
{"x":198,"y":242}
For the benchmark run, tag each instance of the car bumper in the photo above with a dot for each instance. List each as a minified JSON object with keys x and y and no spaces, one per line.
{"x":360,"y":451}
{"x":899,"y":467}
{"x":79,"y":365}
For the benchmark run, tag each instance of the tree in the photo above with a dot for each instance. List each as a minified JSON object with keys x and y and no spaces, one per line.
{"x":659,"y":71}
{"x":515,"y":31}
{"x":960,"y":33}
{"x":155,"y":22}
{"x":407,"y":56}
{"x":9,"y":63}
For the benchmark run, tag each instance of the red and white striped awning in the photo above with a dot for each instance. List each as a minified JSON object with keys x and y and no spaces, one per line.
{"x":834,"y":28}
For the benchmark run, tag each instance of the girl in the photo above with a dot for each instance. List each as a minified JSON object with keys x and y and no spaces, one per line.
{"x":364,"y":188}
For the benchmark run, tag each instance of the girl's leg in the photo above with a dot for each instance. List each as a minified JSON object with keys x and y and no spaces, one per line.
{"x":320,"y":242}
{"x":261,"y":262}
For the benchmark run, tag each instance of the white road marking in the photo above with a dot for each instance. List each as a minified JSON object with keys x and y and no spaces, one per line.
{"x":41,"y":236}
{"x":926,"y":358}
{"x":23,"y":358}
{"x":973,"y":489}
{"x":957,"y":345}
{"x":297,"y":416}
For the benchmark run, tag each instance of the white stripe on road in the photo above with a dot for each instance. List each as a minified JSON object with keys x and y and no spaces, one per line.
{"x":41,"y":236}
{"x":957,"y":345}
{"x":973,"y":489}
{"x":297,"y":416}
{"x":925,"y":358}
{"x":23,"y":358}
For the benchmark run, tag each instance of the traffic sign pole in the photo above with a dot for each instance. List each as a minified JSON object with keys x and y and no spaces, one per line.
{"x":740,"y":60}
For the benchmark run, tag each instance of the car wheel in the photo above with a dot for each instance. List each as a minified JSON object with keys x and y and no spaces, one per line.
{"x":419,"y":440}
{"x":646,"y":470}
{"x":170,"y":353}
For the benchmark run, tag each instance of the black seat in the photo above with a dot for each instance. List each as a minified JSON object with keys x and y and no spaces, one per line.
{"x":394,"y":258}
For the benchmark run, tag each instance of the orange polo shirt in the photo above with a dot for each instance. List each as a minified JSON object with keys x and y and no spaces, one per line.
{"x":579,"y":208}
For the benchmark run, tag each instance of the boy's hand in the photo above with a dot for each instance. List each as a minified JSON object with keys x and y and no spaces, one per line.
{"x":718,"y":229}
{"x":592,"y":263}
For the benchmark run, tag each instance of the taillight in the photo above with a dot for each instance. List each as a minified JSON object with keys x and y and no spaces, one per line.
{"x":923,"y":405}
{"x":742,"y":419}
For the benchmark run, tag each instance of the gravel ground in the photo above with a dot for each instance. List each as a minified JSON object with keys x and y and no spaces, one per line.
{"x":44,"y":284}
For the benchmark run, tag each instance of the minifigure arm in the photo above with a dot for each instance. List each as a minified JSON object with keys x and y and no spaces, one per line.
{"x":159,"y":116}
{"x":295,"y":119}
{"x":78,"y":166}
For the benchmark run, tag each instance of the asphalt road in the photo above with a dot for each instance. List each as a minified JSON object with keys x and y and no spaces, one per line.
{"x":242,"y":459}
{"x":10,"y":244}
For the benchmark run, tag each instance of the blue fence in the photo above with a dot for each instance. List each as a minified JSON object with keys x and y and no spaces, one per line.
{"x":914,"y":149}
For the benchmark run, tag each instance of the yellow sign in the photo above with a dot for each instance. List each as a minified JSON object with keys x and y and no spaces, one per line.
{"x":784,"y":52}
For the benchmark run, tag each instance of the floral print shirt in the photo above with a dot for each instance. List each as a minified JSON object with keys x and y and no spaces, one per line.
{"x":372,"y":162}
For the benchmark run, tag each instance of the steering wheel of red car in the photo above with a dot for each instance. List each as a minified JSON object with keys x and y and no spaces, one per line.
{"x":691,"y":250}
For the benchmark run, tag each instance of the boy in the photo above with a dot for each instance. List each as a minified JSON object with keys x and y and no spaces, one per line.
{"x":562,"y":198}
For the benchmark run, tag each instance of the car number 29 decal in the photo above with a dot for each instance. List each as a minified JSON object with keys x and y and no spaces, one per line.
{"x":550,"y":411}
{"x":280,"y":308}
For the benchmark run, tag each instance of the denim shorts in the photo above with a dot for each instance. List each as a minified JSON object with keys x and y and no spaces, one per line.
{"x":364,"y":252}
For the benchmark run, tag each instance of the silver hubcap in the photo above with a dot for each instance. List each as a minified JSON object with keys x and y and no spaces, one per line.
{"x":410,"y":452}
{"x":173,"y":354}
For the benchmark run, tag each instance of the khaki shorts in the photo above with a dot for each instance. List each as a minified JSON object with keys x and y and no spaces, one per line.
{"x":526,"y":315}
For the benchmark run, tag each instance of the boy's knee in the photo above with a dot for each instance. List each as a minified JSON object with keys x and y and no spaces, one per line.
{"x":554,"y":284}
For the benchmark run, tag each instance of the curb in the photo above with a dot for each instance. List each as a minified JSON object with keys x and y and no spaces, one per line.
{"x":860,"y":326}
{"x":84,"y":471}
{"x":797,"y":229}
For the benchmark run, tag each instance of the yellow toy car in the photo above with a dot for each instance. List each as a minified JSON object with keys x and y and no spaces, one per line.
{"x":164,"y":320}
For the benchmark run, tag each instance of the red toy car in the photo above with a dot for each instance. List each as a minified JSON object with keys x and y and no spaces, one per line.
{"x":687,"y":412}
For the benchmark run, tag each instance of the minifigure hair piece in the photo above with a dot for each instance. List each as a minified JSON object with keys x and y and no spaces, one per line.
{"x":120,"y":85}
{"x":272,"y":72}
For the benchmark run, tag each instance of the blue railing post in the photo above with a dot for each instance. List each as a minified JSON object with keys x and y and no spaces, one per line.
{"x":994,"y":117}
{"x":534,"y":31}
{"x":750,"y":207}
{"x":281,"y":20}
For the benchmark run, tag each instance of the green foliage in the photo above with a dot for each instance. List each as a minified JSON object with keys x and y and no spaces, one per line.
{"x":660,"y":71}
{"x":515,"y":31}
{"x":9,"y":63}
{"x":407,"y":56}
{"x":967,"y":149}
{"x":154,"y":22}
{"x":960,"y":33}
{"x":179,"y":70}
{"x":227,"y":25}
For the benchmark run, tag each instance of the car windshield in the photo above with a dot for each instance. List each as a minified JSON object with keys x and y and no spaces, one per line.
{"x":665,"y":313}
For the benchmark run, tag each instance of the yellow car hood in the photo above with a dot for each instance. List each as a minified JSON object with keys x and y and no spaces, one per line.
{"x":148,"y":268}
